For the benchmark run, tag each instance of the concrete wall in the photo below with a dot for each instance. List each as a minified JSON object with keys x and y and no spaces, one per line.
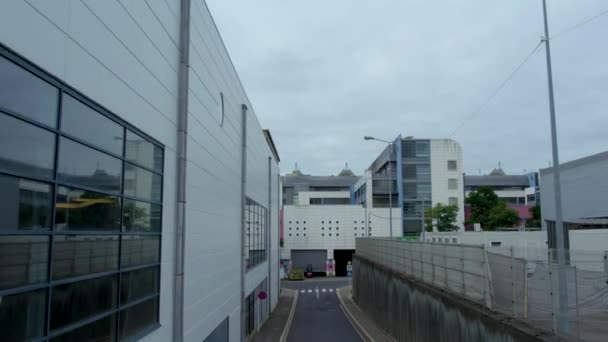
{"x":351,"y":220}
{"x":412,"y":311}
{"x":443,"y":150}
{"x":124,"y":55}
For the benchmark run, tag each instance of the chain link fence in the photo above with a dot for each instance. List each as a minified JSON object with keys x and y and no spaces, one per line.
{"x":519,"y":282}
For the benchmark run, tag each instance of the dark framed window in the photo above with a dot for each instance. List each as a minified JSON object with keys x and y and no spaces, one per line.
{"x":256,"y":217}
{"x":80,"y":214}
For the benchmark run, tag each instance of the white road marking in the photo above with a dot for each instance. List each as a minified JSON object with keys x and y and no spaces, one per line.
{"x":309,"y":291}
{"x":302,"y":291}
{"x":331,"y":290}
{"x":323,"y":290}
{"x":317,"y":291}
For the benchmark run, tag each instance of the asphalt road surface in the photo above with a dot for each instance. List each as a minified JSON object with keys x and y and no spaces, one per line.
{"x":318,"y":317}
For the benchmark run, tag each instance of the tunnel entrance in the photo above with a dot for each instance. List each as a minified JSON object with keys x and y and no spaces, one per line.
{"x":342,"y":257}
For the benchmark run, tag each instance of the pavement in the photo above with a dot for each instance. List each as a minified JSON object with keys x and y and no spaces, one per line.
{"x":318,"y":314}
{"x":277,"y":324}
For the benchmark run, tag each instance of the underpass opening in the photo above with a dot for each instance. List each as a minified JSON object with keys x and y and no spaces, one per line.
{"x":342,"y":257}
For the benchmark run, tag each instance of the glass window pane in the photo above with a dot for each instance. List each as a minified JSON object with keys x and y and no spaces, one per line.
{"x":74,"y":302}
{"x":27,"y":94}
{"x":25,"y":149}
{"x":22,"y":316}
{"x":85,"y":166}
{"x":143,"y":152}
{"x":86,"y":210}
{"x":220,"y":333}
{"x":138,"y":284}
{"x":91,"y":126}
{"x":102,"y":330}
{"x":140,"y":250}
{"x":75,"y":255}
{"x":142,"y":183}
{"x":133,"y":320}
{"x":23,"y":260}
{"x":142,"y":216}
{"x":25,"y":204}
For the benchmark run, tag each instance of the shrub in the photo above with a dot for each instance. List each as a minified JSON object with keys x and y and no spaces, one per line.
{"x":296,"y":274}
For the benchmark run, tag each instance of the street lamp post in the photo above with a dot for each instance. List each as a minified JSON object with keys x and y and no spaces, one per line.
{"x":390,"y":182}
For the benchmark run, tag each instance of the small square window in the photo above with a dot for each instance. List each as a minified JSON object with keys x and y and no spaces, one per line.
{"x":329,"y":234}
{"x":322,"y":221}
{"x":452,"y":184}
{"x":297,"y":228}
{"x":329,"y":222}
{"x":322,"y":234}
{"x":289,"y":228}
{"x":322,"y":228}
{"x":337,"y":234}
{"x":355,"y":227}
{"x":329,"y":228}
{"x":337,"y":228}
{"x":369,"y":234}
{"x":297,"y":222}
{"x":355,"y":234}
{"x":289,"y":234}
{"x":355,"y":222}
{"x":289,"y":222}
{"x":297,"y":234}
{"x":362,"y":221}
{"x":304,"y":228}
{"x":304,"y":234}
{"x":452,"y":165}
{"x":453,"y":201}
{"x":337,"y":222}
{"x":304,"y":222}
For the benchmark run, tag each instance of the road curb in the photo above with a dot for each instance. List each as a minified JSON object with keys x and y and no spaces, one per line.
{"x":287,"y":327}
{"x":353,"y":321}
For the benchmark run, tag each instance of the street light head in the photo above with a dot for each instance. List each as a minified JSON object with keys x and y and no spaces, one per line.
{"x":367,"y":137}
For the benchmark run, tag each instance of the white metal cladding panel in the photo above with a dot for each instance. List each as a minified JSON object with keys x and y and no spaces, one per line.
{"x":116,"y":56}
{"x":584,"y":191}
{"x":212,"y":273}
{"x":443,"y":150}
{"x":274,"y":236}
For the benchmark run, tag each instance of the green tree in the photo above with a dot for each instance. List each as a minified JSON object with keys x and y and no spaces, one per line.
{"x":535,"y":220}
{"x":481,"y":201}
{"x":501,"y":216}
{"x":445,"y":216}
{"x":489,"y":211}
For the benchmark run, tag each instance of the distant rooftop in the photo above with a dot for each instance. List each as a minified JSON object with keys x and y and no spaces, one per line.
{"x":496,"y":180}
{"x":320,"y":181}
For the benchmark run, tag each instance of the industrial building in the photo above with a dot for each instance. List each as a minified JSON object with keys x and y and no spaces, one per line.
{"x":140,"y":194}
{"x":584,"y":187}
{"x":323,"y":215}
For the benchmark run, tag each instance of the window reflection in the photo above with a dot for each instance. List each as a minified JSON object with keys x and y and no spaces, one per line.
{"x":74,"y":302}
{"x":138,"y":284}
{"x":143,"y":152}
{"x":142,"y":183}
{"x":22,"y":316}
{"x":140,"y":250}
{"x":102,"y":330}
{"x":75,"y":255}
{"x":25,"y":149}
{"x":87,"y":124}
{"x":27,"y":94}
{"x":30,"y":207}
{"x":86,"y":210}
{"x":81,"y":165}
{"x":23,"y":260}
{"x":136,"y":318}
{"x":141,"y":216}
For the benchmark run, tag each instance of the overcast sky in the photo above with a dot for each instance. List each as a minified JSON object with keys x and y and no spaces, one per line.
{"x":322,"y":74}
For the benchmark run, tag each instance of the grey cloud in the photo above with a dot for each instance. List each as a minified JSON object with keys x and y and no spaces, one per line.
{"x":321,"y":74}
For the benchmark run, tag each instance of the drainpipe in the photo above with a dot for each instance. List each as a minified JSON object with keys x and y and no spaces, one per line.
{"x":182,"y":139}
{"x":243,"y":223}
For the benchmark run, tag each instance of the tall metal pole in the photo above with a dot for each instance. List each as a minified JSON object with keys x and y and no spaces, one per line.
{"x":561,"y":324}
{"x":390,"y":190}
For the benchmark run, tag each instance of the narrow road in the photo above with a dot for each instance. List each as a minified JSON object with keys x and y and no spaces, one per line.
{"x":318,"y":316}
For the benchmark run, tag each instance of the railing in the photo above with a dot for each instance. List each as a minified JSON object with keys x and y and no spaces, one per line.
{"x":521,"y":283}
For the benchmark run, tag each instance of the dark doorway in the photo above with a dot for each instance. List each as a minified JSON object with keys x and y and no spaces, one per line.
{"x":342,"y":257}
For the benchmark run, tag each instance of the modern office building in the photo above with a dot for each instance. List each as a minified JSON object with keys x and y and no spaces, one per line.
{"x":323,"y":215}
{"x":424,"y":172}
{"x":321,"y":222}
{"x":140,"y":195}
{"x":584,"y":186}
